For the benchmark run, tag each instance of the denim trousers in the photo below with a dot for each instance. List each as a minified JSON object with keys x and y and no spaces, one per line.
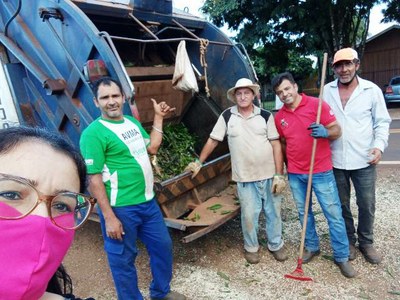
{"x":145,"y":222}
{"x":253,"y":197}
{"x":364,"y":185}
{"x":324,"y":187}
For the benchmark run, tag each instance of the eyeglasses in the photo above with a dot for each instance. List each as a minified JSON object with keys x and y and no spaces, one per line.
{"x":343,"y":64}
{"x":18,"y":198}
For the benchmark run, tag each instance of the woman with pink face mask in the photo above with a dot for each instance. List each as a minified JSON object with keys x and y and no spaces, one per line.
{"x":41,"y":181}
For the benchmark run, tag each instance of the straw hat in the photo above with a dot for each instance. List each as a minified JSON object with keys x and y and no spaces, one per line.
{"x":345,"y":54}
{"x":242,"y":83}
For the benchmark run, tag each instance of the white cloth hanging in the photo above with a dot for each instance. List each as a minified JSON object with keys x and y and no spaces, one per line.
{"x":184,"y":78}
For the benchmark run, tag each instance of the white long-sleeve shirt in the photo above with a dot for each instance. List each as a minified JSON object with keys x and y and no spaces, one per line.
{"x":365,"y":124}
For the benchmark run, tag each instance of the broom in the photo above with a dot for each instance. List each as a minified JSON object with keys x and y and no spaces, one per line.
{"x":298,"y":273}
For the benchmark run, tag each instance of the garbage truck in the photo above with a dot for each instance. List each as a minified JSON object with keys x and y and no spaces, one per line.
{"x":52,"y":50}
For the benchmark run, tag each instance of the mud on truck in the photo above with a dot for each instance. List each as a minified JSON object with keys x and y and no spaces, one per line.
{"x":51,"y":51}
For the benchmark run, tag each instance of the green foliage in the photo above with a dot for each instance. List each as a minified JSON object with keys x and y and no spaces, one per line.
{"x":270,"y":29}
{"x":299,"y":66}
{"x":392,"y":13}
{"x":176,"y":151}
{"x":269,"y":105}
{"x":269,"y":61}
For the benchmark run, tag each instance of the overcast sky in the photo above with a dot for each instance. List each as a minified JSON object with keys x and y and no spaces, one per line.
{"x":374,"y":26}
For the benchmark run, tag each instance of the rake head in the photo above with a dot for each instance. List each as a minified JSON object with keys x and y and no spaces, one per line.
{"x":298,"y":273}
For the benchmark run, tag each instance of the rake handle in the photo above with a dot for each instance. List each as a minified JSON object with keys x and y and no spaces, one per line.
{"x":314,"y":148}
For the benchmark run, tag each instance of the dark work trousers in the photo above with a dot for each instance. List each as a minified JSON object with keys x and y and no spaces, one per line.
{"x":364,"y":185}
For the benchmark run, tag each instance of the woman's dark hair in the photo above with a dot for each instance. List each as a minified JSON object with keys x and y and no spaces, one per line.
{"x":60,"y":283}
{"x":11,"y":137}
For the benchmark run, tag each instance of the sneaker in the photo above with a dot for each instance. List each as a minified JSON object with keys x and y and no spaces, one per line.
{"x":172,"y":296}
{"x":346,"y":269}
{"x":309,"y":255}
{"x":371,"y":255}
{"x":352,"y":252}
{"x":280,"y":255}
{"x":252,"y":257}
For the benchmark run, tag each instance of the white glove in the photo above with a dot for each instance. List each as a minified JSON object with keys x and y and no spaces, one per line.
{"x":278,"y":184}
{"x":194,"y":167}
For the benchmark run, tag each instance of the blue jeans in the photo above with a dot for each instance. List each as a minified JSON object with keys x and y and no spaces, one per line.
{"x":143,"y":221}
{"x":364,"y":186}
{"x":253,"y":197}
{"x":324,"y":187}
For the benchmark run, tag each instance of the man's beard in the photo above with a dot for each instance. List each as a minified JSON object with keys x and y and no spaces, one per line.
{"x":348,"y":82}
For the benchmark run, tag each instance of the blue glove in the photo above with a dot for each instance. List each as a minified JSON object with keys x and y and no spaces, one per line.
{"x":318,"y":131}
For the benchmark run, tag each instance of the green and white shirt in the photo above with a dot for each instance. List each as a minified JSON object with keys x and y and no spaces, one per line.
{"x":118,"y":150}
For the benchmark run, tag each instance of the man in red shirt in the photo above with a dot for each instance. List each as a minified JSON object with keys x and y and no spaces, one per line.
{"x":294,"y":121}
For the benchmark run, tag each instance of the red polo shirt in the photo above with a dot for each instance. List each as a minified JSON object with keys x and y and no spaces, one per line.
{"x":292,"y":125}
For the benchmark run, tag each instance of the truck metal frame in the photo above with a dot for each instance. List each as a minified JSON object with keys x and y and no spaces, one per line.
{"x":47,"y":47}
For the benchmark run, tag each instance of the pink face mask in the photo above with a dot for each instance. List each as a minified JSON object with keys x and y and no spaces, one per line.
{"x":31,"y":250}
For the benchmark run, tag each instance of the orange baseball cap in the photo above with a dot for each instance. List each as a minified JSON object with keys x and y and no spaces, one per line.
{"x":345,"y":54}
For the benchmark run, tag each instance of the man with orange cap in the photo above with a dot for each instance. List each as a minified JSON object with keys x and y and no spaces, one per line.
{"x":360,"y":109}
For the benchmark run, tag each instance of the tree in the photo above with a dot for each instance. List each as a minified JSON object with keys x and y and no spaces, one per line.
{"x":392,"y":12}
{"x":269,"y":61}
{"x":305,"y":26}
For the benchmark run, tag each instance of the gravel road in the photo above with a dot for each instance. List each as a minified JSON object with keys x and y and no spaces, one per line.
{"x":213,"y":266}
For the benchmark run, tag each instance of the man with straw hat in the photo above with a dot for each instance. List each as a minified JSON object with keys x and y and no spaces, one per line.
{"x":257,"y":166}
{"x":299,"y":115}
{"x":361,"y":111}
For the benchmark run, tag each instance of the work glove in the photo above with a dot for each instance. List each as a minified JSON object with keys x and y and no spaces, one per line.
{"x":318,"y":131}
{"x":278,"y":184}
{"x":154,"y":162}
{"x":194,"y":167}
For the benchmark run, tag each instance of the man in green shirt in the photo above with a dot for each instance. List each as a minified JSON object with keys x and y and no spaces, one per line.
{"x":115,"y":148}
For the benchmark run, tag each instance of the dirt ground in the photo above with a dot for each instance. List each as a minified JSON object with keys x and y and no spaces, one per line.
{"x":213,"y":266}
